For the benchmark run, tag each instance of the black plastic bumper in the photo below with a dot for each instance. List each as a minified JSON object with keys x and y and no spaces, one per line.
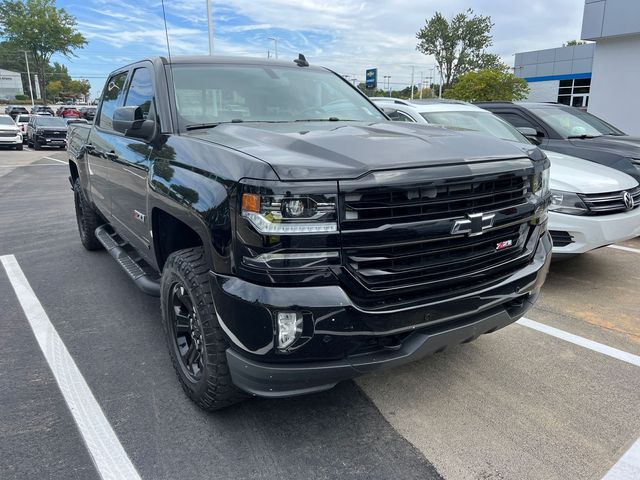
{"x":458,"y":320}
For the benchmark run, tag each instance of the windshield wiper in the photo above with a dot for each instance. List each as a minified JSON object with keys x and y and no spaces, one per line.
{"x":583,"y":136}
{"x":330,"y":119}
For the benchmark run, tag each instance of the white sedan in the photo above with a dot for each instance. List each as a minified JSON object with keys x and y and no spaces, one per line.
{"x":592,"y":205}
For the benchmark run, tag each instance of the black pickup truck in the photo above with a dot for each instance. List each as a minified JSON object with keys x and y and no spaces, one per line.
{"x":295,"y":236}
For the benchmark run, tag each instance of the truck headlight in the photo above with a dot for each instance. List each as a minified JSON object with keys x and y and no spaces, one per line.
{"x":290,"y":214}
{"x":540,"y":183}
{"x":567,"y":202}
{"x":284,"y":228}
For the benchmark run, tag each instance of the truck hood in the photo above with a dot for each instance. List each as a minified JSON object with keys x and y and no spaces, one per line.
{"x":624,"y":145}
{"x":9,"y":128}
{"x":572,"y":174}
{"x":344,"y":150}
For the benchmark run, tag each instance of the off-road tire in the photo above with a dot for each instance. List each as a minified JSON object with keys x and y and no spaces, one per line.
{"x":87,"y":218}
{"x":214,"y":390}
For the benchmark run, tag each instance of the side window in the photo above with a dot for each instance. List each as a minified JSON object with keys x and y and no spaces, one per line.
{"x":405,"y":117}
{"x":140,"y":92}
{"x":518,"y":120}
{"x":111,"y":97}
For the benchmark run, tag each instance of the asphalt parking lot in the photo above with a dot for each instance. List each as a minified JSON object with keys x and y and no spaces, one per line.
{"x":528,"y":402}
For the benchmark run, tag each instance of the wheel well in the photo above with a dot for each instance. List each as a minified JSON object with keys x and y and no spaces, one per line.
{"x":73,"y":168}
{"x":171,"y":235}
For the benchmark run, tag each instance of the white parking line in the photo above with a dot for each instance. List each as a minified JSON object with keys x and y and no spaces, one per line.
{"x":55,"y":160}
{"x":108,"y":455}
{"x":626,"y":249}
{"x":581,"y":341}
{"x":628,"y":467}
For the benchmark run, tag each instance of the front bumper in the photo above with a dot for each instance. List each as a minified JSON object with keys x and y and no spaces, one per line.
{"x":345,"y":340}
{"x":51,"y":140}
{"x":17,"y":140}
{"x":591,"y":232}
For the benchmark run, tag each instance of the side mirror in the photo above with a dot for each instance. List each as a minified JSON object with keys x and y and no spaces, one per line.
{"x":531,"y":133}
{"x":130,"y":122}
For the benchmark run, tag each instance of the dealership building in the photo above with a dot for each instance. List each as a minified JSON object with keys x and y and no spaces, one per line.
{"x":10,"y":84}
{"x":602,"y":76}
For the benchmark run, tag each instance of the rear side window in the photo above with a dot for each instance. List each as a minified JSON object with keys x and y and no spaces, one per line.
{"x":518,"y":120}
{"x":140,"y":92}
{"x":111,"y":99}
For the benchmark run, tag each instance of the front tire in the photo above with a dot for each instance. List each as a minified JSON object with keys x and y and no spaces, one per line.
{"x":36,"y":145}
{"x":194,"y":337}
{"x":87,"y":218}
{"x":19,"y":147}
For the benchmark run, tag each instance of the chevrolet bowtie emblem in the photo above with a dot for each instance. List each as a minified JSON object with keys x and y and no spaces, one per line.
{"x":474,"y":224}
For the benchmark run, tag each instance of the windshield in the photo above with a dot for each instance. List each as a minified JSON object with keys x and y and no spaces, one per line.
{"x":211,"y":94}
{"x":572,"y":122}
{"x":23,"y":118}
{"x":6,"y":121}
{"x":481,"y":122}
{"x":51,"y":122}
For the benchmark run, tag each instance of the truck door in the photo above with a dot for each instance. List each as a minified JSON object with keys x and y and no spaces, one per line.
{"x":131,"y":167}
{"x":100,"y":151}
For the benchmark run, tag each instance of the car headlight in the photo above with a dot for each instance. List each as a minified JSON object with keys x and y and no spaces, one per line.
{"x":567,"y":202}
{"x":540,"y":183}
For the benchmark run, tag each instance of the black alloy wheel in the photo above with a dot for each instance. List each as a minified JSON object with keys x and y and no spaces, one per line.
{"x":187,"y":333}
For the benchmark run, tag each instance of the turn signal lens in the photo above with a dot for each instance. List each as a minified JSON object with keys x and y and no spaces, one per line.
{"x":251,"y":202}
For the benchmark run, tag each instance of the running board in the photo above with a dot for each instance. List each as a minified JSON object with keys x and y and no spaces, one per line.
{"x":142,"y":279}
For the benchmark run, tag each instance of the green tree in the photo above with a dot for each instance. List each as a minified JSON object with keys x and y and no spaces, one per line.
{"x":41,"y":28}
{"x":54,"y":88}
{"x":458,"y":46}
{"x":487,"y":85}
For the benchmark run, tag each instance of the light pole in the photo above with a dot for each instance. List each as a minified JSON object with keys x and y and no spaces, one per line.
{"x":26,"y":59}
{"x":210,"y":26}
{"x":412,"y":72}
{"x":275,"y":41}
{"x":389,"y":81}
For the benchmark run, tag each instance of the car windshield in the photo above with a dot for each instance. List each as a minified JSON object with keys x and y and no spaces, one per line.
{"x":207,"y":95}
{"x":6,"y":121}
{"x":51,"y":122}
{"x":23,"y":118}
{"x":481,"y":122}
{"x":571,"y":122}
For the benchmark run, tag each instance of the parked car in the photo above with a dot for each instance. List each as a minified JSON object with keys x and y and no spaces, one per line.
{"x":42,"y":110}
{"x":10,"y":134}
{"x":15,"y":111}
{"x":22,"y":121}
{"x":88,"y":113}
{"x":592,"y":205}
{"x":46,"y":131}
{"x":70,"y":112}
{"x":294,"y":248}
{"x":572,"y":131}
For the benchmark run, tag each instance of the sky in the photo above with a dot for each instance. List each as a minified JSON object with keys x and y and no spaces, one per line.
{"x":347,"y":36}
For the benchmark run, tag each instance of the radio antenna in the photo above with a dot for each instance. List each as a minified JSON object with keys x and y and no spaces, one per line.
{"x":170,"y":83}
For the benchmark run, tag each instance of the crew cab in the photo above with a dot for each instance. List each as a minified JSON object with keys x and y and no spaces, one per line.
{"x":295,"y":236}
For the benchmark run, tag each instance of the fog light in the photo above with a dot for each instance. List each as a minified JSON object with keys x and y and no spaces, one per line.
{"x":289,"y":328}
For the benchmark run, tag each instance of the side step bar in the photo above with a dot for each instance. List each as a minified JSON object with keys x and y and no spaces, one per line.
{"x":142,"y":279}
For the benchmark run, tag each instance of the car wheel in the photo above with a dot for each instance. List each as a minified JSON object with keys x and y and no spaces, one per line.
{"x":36,"y":145}
{"x":87,"y":218}
{"x":19,"y":147}
{"x":194,"y":337}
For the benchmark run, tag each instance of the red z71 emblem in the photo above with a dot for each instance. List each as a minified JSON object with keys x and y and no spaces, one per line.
{"x":505,"y":244}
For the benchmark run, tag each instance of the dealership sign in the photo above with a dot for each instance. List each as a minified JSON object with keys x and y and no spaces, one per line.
{"x":372,"y":78}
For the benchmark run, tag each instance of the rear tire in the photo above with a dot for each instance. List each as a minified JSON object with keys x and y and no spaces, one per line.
{"x":194,"y":337}
{"x":87,"y":218}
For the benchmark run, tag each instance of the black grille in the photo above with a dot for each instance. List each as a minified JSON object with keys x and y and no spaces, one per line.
{"x":54,"y":133}
{"x":431,"y":202}
{"x":399,"y":238}
{"x":561,"y":239}
{"x":612,"y":202}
